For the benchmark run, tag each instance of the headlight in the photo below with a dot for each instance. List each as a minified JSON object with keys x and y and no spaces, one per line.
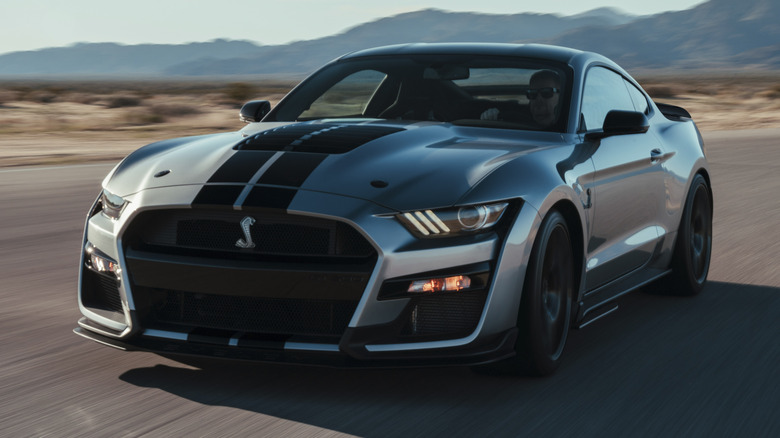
{"x":453,"y":221}
{"x":112,"y":205}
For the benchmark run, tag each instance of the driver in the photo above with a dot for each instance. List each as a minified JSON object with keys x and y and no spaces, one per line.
{"x":543,"y":94}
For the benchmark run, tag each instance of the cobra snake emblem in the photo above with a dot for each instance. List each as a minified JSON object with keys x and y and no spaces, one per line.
{"x":246,"y":242}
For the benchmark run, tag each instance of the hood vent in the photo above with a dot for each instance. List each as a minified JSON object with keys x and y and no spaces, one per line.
{"x":322,"y":139}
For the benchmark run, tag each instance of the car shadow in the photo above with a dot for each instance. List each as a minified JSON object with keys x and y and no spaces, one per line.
{"x":674,"y":363}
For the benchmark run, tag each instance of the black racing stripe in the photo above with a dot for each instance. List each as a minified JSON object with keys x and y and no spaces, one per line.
{"x":317,"y":138}
{"x":241,"y":167}
{"x":269,"y":197}
{"x":278,"y":138}
{"x":291,"y":169}
{"x":339,"y":141}
{"x":217,"y":195}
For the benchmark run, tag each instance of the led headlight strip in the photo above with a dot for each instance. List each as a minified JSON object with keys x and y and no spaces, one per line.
{"x":452,"y":221}
{"x":427,"y":222}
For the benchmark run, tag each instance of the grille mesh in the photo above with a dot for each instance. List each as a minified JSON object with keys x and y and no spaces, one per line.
{"x":272,"y":234}
{"x":101,"y":292}
{"x":251,"y":314}
{"x":323,"y":268}
{"x":445,"y":315}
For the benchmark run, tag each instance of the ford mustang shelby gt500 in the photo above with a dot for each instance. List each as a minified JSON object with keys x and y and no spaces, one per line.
{"x":405,"y":205}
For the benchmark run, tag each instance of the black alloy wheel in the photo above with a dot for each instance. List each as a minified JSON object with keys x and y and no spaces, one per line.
{"x":700,"y":235}
{"x":546,"y":305}
{"x":694,"y":242}
{"x":693,"y":247}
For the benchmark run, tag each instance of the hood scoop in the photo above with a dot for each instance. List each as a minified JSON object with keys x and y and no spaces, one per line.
{"x":322,"y":139}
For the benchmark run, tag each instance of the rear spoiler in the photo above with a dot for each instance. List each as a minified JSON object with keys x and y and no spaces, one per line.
{"x":673,"y":112}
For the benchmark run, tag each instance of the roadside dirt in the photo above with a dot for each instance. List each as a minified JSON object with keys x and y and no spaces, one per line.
{"x":53,"y":124}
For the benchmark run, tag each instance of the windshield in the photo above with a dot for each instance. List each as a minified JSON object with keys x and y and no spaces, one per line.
{"x":475,"y":90}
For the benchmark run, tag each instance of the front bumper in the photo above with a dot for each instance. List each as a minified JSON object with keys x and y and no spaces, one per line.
{"x":498,"y":347}
{"x":376,"y":331}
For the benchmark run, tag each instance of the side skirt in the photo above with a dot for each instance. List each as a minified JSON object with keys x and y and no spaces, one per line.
{"x":598,"y":303}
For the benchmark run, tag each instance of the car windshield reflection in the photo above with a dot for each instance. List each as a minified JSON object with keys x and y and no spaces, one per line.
{"x":479,"y":91}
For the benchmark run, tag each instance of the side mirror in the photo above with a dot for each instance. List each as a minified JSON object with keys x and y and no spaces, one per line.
{"x":254,"y":111}
{"x":621,"y":123}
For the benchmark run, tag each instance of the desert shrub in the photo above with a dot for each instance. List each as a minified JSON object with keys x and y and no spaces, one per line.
{"x":174,"y":110}
{"x":41,"y":93}
{"x":142,"y":117}
{"x":123,"y":101}
{"x":82,"y":98}
{"x":660,"y":91}
{"x":773,"y":92}
{"x":158,"y":113}
{"x":213,"y":98}
{"x":21,"y":91}
{"x":40,"y":96}
{"x":56,"y":90}
{"x":239,"y":92}
{"x":7,"y":96}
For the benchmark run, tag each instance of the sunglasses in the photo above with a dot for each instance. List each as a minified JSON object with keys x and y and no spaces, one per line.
{"x":546,"y":92}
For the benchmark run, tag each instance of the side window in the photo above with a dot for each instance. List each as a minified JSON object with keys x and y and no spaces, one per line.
{"x":347,"y":98}
{"x":604,"y":92}
{"x":639,"y":99}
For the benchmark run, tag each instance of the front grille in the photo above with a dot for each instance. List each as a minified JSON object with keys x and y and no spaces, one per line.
{"x":100,"y":292}
{"x":250,"y":314}
{"x":445,"y":316}
{"x":305,"y":276}
{"x":273,"y":234}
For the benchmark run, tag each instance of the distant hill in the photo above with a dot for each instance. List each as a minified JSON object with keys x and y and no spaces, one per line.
{"x":240,"y":57}
{"x":429,"y":25}
{"x":116,"y":59}
{"x":715,"y":34}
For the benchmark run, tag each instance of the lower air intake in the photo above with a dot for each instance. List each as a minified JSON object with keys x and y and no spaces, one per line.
{"x":249,"y":314}
{"x":445,"y":316}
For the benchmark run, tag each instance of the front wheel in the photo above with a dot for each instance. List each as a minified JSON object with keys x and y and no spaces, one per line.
{"x":546,"y":304}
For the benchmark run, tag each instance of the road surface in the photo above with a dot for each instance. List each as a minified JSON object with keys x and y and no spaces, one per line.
{"x":660,"y":366}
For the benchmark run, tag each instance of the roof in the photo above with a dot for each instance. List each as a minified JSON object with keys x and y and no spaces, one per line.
{"x":556,"y":53}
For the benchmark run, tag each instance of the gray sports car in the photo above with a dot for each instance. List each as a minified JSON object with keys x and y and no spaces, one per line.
{"x":405,"y":205}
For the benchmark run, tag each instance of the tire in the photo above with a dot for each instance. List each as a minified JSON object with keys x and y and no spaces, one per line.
{"x":693,"y":249}
{"x":546,"y":305}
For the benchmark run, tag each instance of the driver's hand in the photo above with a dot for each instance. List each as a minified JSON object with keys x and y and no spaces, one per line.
{"x":489,"y":114}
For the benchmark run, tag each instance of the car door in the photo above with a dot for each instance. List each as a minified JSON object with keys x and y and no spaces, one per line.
{"x":627,"y":185}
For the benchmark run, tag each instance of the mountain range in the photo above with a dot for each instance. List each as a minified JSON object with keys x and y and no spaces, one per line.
{"x":717,"y":34}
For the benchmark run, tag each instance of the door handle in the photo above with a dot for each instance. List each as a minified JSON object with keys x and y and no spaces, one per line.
{"x":656,"y":155}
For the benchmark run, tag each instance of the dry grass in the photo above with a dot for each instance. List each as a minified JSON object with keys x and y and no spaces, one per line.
{"x":721,"y":102}
{"x":77,"y":121}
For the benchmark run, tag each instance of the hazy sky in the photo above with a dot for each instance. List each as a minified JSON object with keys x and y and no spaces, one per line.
{"x":34,"y":24}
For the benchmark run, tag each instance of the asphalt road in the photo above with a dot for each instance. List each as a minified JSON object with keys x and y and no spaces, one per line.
{"x":660,"y":366}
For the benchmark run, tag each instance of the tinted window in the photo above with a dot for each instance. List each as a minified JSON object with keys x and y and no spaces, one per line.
{"x":604,"y":92}
{"x":639,"y":99}
{"x":347,"y":98}
{"x":516,"y":93}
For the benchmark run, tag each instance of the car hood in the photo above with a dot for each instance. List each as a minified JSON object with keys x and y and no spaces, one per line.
{"x":397,"y":165}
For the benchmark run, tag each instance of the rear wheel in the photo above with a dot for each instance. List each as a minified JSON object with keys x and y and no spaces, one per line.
{"x":693,"y":249}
